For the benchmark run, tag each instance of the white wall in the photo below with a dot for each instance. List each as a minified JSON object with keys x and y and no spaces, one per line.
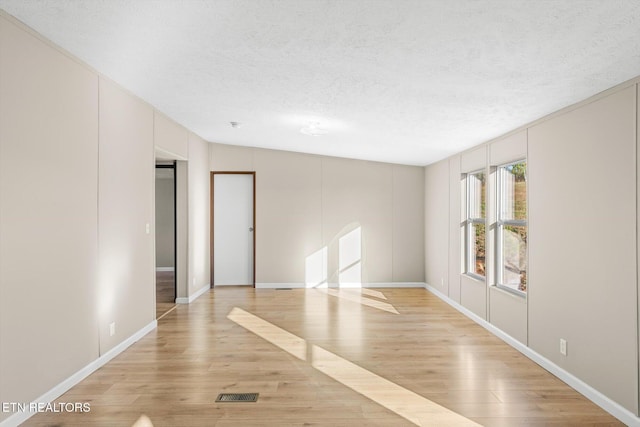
{"x":359,"y":194}
{"x":436,"y":216}
{"x":170,"y":139}
{"x":582,"y":180}
{"x":582,"y":282}
{"x":48,"y":215}
{"x":126,"y":274}
{"x":455,"y":218}
{"x":198,"y":216}
{"x":408,"y":212}
{"x":305,"y":203}
{"x":288,"y":211}
{"x":76,"y":195}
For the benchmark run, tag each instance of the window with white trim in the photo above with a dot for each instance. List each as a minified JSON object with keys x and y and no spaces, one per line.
{"x":511,"y":227}
{"x":475,"y":238}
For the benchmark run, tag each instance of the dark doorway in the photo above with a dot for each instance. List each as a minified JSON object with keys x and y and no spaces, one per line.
{"x":165,"y":238}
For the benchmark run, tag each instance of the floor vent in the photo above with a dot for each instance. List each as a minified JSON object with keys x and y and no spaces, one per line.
{"x":284,"y":289}
{"x":237,"y":397}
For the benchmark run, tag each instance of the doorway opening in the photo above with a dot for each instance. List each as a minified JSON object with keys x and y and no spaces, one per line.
{"x":233,"y":235}
{"x":166,"y":242}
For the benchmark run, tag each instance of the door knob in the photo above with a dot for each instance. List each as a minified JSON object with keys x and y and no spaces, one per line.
{"x":250,"y":229}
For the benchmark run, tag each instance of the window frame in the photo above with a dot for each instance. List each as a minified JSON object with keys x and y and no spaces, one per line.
{"x":470,"y":222}
{"x":502,"y":223}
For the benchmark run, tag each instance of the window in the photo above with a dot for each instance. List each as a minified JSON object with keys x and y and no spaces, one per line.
{"x":511,"y":227}
{"x":475,"y":264}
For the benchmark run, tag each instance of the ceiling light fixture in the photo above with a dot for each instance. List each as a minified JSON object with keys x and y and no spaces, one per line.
{"x":314,"y":129}
{"x":235,"y":125}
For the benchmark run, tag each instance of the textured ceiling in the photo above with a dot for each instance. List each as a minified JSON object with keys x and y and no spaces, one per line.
{"x":398,"y":81}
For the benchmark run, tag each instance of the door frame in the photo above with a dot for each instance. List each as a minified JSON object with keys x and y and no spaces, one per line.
{"x":211,"y":224}
{"x":172,"y":166}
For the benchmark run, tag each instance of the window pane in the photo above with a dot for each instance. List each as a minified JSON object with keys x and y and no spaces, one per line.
{"x":514,"y":257}
{"x":513,"y":191}
{"x":476,"y":188}
{"x":477,"y":256}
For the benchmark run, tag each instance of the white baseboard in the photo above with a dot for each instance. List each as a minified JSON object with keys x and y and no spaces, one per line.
{"x":57,"y":391}
{"x":612,"y":407}
{"x":192,"y":297}
{"x":165,"y":269}
{"x":343,"y":286}
{"x":232,"y":285}
{"x":394,"y":285}
{"x":280,"y":285}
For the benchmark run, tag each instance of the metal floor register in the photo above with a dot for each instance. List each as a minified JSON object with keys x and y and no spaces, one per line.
{"x":237,"y":397}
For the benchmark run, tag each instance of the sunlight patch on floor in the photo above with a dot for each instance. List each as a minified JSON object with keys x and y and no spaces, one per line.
{"x":350,"y":295}
{"x":143,"y":421}
{"x":409,"y":405}
{"x":290,"y":343}
{"x":369,"y":292}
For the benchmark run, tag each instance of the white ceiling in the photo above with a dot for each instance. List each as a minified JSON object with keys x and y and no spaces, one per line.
{"x":398,"y":81}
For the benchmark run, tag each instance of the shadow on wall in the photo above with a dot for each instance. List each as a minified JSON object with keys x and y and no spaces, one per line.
{"x":338,"y":264}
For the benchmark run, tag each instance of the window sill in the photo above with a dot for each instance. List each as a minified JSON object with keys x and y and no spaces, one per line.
{"x":475,"y":277}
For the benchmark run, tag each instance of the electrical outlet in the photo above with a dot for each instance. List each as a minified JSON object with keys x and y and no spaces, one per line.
{"x":563,"y":347}
{"x":112,"y":329}
{"x":147,"y":228}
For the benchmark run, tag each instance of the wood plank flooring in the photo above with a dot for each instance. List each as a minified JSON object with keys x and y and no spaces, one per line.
{"x":165,"y":292}
{"x":321,"y":358}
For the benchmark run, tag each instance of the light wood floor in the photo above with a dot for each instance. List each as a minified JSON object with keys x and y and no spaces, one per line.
{"x":165,"y":292}
{"x":385,"y":357}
